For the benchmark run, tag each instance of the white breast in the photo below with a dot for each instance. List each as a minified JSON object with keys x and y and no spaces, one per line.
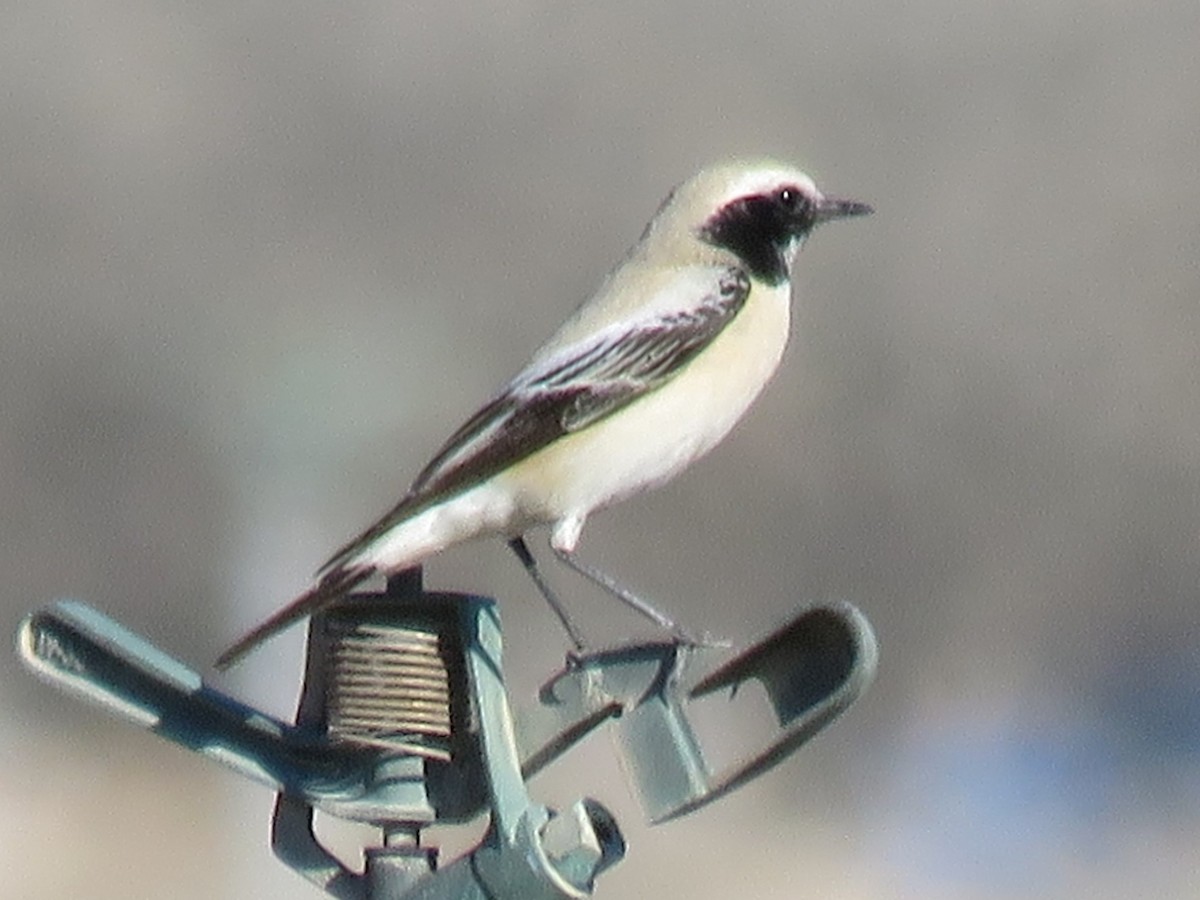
{"x":657,"y":436}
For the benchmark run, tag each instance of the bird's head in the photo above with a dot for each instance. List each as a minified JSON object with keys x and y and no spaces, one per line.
{"x":760,"y":212}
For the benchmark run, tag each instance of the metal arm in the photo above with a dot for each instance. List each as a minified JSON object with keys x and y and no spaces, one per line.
{"x":404,"y":721}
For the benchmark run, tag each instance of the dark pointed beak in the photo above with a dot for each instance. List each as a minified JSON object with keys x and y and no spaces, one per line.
{"x":832,"y":208}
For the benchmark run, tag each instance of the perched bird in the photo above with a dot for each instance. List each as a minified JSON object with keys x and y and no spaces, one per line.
{"x":645,"y":377}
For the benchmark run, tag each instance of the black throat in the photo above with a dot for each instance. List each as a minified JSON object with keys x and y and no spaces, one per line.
{"x":754,"y":230}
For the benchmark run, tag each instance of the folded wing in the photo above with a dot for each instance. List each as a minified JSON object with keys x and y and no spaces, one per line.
{"x":576,"y":387}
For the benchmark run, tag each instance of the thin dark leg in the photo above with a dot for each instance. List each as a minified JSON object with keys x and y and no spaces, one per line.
{"x":520,"y":548}
{"x":627,"y":596}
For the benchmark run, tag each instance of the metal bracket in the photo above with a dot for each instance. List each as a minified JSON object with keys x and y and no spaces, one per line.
{"x":812,"y":669}
{"x":449,"y":760}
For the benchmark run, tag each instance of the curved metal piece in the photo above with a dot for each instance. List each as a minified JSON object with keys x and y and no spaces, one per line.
{"x":295,"y":844}
{"x":812,"y":669}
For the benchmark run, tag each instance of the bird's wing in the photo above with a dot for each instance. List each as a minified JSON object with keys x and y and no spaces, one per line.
{"x":562,"y":392}
{"x":567,"y":391}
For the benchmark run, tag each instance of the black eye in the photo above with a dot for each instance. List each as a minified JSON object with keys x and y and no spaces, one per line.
{"x":791,"y":199}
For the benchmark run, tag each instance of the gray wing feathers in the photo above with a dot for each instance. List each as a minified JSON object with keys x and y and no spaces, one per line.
{"x":571,"y":390}
{"x":567,"y":392}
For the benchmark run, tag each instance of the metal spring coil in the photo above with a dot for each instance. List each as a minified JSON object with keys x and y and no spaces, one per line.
{"x":388,"y":687}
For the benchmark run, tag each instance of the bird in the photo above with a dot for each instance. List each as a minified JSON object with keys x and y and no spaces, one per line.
{"x":643,"y":379}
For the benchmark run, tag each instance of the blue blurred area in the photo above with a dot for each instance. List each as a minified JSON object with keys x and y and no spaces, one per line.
{"x":1004,"y":808}
{"x":1151,"y":691}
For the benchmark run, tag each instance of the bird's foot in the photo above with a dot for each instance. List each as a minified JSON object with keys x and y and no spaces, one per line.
{"x":703,"y":641}
{"x":575,"y":658}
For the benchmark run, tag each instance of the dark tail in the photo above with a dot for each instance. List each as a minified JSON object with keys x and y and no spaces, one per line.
{"x":333,"y":585}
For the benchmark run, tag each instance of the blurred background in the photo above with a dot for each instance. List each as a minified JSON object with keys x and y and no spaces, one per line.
{"x":258,"y":260}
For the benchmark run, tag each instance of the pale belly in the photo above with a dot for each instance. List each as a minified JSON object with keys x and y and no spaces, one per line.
{"x":639,"y":447}
{"x":657,"y":436}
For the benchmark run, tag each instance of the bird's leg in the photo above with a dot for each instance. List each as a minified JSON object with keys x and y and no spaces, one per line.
{"x":626,"y":596}
{"x":520,"y":548}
